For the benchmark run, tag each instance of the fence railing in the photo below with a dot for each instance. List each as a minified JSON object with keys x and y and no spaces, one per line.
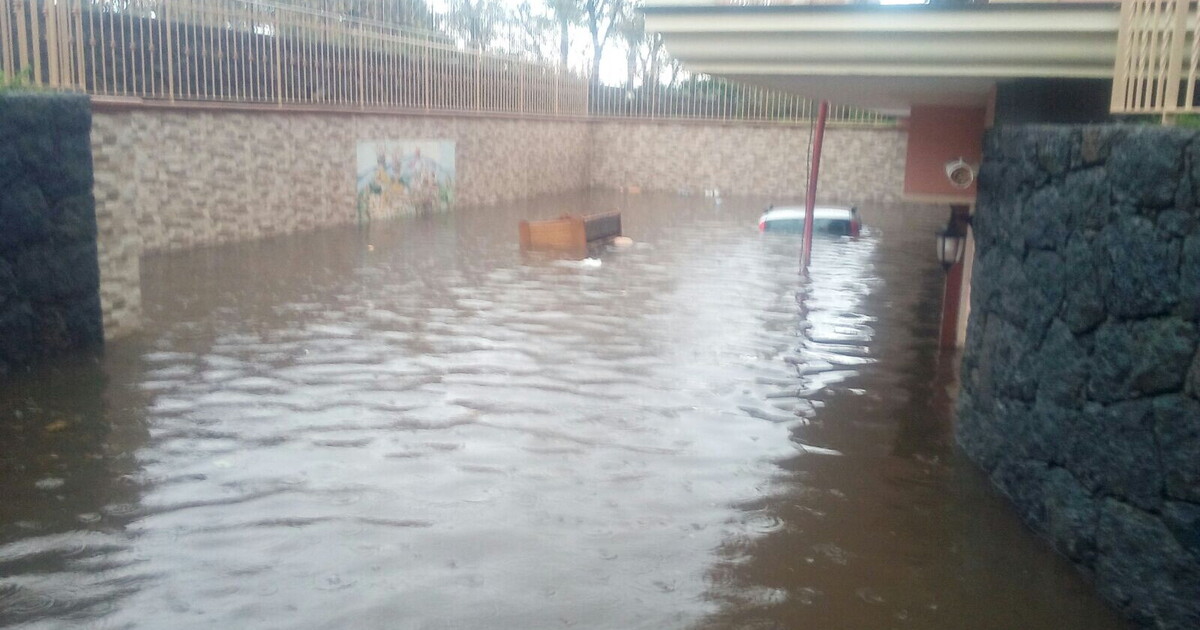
{"x":254,"y":51}
{"x":704,"y":98}
{"x":258,"y":52}
{"x":1158,"y":57}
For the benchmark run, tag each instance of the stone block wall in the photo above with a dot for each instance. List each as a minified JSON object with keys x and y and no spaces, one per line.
{"x":857,"y":164}
{"x":49,"y":277}
{"x":119,"y":238}
{"x":1081,"y":375}
{"x":211,"y":176}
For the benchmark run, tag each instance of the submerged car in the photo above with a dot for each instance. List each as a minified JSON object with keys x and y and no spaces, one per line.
{"x":828,"y":220}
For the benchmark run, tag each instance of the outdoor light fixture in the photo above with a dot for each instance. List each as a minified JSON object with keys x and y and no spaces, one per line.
{"x":951,"y":244}
{"x":960,"y":173}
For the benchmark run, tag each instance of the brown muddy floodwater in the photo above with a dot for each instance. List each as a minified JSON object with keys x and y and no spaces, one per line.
{"x":415,"y":427}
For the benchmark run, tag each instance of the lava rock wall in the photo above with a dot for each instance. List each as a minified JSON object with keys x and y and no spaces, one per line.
{"x":49,"y":277}
{"x":1081,"y":378}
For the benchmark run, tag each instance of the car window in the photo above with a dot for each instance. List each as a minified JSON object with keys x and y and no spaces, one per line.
{"x":831,"y":227}
{"x":790,"y":226}
{"x":836,"y":227}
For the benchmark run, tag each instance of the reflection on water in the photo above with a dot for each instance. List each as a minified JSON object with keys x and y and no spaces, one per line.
{"x":417,"y":427}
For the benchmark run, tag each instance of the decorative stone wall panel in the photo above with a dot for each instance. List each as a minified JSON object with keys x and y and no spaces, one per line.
{"x":1079,"y":385}
{"x":857,"y":164}
{"x":209,"y":177}
{"x":119,"y":240}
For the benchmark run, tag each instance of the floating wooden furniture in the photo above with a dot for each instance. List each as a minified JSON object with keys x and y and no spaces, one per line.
{"x":570,"y":234}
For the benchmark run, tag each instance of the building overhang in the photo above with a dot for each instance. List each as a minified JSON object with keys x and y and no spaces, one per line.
{"x":890,"y":57}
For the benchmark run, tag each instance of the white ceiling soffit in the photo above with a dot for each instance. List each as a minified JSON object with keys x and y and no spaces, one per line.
{"x":889,"y":57}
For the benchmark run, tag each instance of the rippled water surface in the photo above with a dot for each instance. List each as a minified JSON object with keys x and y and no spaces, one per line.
{"x":416,"y":427}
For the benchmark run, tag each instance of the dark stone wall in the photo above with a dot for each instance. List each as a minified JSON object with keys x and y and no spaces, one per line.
{"x":1081,"y":377}
{"x":49,"y":277}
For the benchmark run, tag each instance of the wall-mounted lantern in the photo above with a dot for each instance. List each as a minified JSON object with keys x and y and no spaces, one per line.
{"x":950,"y":246}
{"x":951,"y":250}
{"x":952,"y":240}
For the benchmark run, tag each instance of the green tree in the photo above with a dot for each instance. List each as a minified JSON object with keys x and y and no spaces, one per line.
{"x":645,"y":52}
{"x":477,"y":21}
{"x":566,"y":13}
{"x":20,"y":82}
{"x":631,"y":28}
{"x":601,"y":17}
{"x":531,"y":31}
{"x":403,"y":13}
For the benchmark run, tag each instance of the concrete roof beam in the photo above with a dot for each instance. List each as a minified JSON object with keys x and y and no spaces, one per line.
{"x":827,"y":51}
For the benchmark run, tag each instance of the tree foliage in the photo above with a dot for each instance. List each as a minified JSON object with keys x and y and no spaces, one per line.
{"x":477,"y":22}
{"x":414,"y":14}
{"x":566,"y":32}
{"x":20,"y":82}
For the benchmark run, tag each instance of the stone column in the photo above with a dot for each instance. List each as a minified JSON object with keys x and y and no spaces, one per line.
{"x":1081,"y":377}
{"x":119,"y":239}
{"x":49,"y":277}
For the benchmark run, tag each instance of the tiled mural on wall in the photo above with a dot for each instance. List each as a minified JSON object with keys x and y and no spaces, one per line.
{"x":403,"y":177}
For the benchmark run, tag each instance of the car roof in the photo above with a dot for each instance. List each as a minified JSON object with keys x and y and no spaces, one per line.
{"x":819,"y":212}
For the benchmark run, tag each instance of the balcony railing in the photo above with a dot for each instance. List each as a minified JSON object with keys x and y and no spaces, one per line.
{"x":1158,"y":58}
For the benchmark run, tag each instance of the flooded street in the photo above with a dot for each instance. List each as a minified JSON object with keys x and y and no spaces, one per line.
{"x":414,"y":426}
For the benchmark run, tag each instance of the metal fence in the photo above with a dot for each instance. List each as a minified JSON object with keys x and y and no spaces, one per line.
{"x":705,"y":98}
{"x":250,"y":51}
{"x":258,"y":52}
{"x":1158,"y":57}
